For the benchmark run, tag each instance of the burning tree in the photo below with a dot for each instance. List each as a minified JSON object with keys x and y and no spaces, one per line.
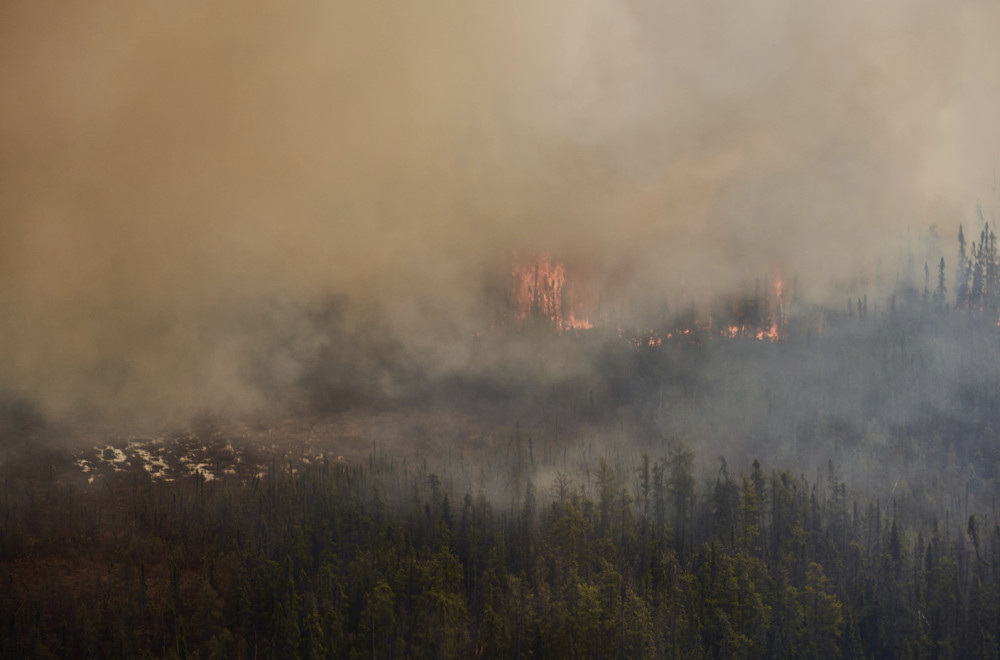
{"x":541,"y":297}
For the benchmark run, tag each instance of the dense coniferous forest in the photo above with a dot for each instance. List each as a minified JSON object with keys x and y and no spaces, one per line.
{"x":773,"y":482}
{"x":379,"y":560}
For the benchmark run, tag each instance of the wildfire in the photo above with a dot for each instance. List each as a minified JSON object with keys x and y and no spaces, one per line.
{"x":541,"y":296}
{"x":765,"y":323}
{"x":573,"y":323}
{"x":777,"y":330}
{"x":771,"y":334}
{"x":651,"y":339}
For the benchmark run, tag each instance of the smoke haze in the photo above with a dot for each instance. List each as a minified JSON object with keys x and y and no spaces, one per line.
{"x":174,"y":179}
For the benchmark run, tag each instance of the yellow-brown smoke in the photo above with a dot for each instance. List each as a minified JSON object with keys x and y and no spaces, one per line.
{"x":162,"y":163}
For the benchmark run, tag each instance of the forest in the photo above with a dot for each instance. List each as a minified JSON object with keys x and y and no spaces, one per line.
{"x":499,"y":329}
{"x":377,"y":559}
{"x":827,"y":493}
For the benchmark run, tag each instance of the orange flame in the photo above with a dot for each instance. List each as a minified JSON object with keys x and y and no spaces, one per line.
{"x":775,"y":330}
{"x":541,"y":295}
{"x":573,"y":323}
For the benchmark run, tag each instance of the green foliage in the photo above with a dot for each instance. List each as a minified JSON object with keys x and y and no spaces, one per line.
{"x":360,"y":561}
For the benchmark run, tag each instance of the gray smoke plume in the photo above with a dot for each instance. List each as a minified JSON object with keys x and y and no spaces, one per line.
{"x":180,"y":183}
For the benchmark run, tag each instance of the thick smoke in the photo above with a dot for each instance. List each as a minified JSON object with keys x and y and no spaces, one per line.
{"x":183,"y":185}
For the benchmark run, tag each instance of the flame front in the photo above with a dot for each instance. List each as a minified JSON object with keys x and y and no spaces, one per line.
{"x":542,"y":297}
{"x":760,"y":317}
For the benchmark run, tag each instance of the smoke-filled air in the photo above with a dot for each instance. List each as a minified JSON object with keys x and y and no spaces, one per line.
{"x":168,"y":170}
{"x":502,"y":320}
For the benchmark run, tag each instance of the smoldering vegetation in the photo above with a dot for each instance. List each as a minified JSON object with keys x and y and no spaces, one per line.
{"x":761,"y":476}
{"x":887,"y":396}
{"x":152,"y":198}
{"x":609,"y":494}
{"x":280,"y":255}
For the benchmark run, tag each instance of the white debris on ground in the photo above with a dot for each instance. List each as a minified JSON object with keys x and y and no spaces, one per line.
{"x":197,"y":468}
{"x":202,"y":469}
{"x":112,"y":455}
{"x":167,"y":459}
{"x":156,"y":466}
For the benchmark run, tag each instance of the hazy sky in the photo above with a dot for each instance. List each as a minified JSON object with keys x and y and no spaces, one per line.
{"x":162,"y":160}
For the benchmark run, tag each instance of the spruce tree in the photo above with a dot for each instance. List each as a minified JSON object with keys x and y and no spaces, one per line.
{"x":942,"y":290}
{"x":976,"y":291}
{"x":925,"y":297}
{"x":962,"y":271}
{"x":991,"y":285}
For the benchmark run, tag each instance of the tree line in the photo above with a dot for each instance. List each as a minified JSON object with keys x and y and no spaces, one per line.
{"x":384,"y":560}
